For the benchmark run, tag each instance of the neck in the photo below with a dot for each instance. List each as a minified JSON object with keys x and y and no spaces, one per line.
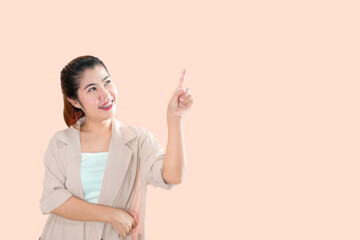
{"x":98,"y":127}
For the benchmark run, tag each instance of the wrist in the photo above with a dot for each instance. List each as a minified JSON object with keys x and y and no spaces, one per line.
{"x":109,"y":214}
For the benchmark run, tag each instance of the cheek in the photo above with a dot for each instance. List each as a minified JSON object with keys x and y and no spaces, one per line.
{"x":90,"y":101}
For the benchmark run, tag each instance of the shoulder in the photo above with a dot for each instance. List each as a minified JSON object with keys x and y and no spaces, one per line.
{"x":146,"y":139}
{"x":143,"y":135}
{"x":140,"y":131}
{"x":60,"y":138}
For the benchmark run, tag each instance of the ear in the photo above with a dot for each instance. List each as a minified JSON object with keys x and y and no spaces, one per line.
{"x":74,"y":103}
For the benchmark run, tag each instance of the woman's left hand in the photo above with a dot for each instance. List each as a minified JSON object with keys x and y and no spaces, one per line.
{"x":181,"y":101}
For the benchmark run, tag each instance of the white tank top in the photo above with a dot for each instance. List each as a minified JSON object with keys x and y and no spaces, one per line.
{"x":92,"y":172}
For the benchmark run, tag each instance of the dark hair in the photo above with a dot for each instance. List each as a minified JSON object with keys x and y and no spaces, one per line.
{"x":70,"y":83}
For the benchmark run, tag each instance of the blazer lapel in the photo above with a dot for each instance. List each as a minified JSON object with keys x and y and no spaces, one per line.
{"x":119,"y":158}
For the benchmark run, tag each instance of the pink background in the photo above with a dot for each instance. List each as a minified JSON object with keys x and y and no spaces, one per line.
{"x":272,"y":139}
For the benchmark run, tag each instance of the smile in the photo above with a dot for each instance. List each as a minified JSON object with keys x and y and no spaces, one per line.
{"x":108,"y":106}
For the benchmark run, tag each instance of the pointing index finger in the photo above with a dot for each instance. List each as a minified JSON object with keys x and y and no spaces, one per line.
{"x":182,"y":80}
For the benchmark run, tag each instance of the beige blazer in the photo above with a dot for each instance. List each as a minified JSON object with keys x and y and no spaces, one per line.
{"x":135,"y":159}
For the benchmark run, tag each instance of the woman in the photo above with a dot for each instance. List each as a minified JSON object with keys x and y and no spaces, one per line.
{"x":98,"y":168}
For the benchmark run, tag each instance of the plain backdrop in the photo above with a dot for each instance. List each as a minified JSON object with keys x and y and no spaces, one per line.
{"x":272,"y":139}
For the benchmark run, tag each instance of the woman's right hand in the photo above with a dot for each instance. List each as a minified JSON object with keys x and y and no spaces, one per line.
{"x":122,"y":221}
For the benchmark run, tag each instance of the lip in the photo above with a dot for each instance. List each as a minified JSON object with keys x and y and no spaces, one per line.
{"x":107,"y":102}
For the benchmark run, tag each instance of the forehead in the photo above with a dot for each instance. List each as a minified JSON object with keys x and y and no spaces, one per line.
{"x":93,"y":75}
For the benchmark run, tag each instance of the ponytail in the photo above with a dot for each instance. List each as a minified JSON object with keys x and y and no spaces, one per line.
{"x":71,"y":113}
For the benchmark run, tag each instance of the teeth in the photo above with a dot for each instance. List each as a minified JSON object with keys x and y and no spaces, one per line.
{"x":106,"y":106}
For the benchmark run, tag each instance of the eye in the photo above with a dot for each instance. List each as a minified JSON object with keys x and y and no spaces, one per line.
{"x":108,"y":81}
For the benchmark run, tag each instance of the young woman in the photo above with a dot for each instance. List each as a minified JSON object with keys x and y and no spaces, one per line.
{"x":97,"y":170}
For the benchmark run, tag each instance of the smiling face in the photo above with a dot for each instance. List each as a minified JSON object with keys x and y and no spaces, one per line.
{"x":96,"y":89}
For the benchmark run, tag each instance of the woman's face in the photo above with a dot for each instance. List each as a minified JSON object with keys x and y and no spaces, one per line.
{"x":96,"y":89}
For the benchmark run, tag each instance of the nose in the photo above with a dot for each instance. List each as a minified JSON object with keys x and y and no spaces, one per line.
{"x":105,"y":94}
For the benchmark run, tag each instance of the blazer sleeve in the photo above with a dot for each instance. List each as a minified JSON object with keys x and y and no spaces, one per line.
{"x":54,"y":191}
{"x":152,"y":155}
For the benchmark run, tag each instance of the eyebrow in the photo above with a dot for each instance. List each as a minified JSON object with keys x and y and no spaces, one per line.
{"x":95,"y":83}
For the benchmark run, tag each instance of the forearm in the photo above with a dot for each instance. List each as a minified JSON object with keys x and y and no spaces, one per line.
{"x":174,"y":159}
{"x":77,"y":209}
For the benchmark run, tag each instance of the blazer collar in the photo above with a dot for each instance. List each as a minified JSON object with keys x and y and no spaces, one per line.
{"x":118,"y":128}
